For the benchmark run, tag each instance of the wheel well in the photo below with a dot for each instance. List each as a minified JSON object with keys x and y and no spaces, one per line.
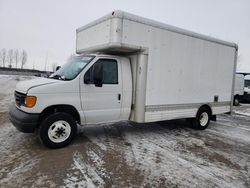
{"x":207,"y":107}
{"x":60,"y":108}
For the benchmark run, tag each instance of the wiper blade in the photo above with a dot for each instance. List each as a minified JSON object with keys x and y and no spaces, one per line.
{"x":54,"y":76}
{"x":58,"y":77}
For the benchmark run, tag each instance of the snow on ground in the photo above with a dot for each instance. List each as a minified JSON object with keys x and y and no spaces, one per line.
{"x":243,"y":110}
{"x":7,"y":85}
{"x":162,"y":154}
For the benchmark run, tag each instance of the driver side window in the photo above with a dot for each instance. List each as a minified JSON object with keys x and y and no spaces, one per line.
{"x":110,"y":72}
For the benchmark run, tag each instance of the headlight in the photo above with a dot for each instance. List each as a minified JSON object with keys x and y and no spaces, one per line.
{"x":30,"y":101}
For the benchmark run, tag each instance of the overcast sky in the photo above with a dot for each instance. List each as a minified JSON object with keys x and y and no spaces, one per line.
{"x":48,"y":26}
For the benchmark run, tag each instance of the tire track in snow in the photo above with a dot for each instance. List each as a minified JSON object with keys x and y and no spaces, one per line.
{"x":155,"y":144}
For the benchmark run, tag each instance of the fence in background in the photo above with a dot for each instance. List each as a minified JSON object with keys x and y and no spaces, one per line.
{"x":24,"y":72}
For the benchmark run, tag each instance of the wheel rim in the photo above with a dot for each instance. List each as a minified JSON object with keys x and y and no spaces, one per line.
{"x":59,"y":131}
{"x":204,"y":119}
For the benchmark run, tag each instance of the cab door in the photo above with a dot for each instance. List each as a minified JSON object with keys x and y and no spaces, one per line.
{"x":102,"y":103}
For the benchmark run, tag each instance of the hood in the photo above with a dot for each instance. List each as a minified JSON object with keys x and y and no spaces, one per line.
{"x":24,"y":86}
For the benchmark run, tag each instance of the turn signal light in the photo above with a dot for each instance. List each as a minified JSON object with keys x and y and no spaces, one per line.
{"x":30,"y":101}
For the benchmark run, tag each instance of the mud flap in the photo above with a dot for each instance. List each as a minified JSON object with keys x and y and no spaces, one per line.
{"x":213,"y":118}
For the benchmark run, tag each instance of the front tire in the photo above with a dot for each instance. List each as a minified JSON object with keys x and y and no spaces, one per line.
{"x":202,"y":119}
{"x":236,"y":101}
{"x":57,"y":130}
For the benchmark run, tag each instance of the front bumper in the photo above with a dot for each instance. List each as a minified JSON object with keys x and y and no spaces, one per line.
{"x":24,"y":122}
{"x":245,"y":98}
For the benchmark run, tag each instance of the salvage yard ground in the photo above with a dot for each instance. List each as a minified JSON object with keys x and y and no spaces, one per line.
{"x":162,"y":154}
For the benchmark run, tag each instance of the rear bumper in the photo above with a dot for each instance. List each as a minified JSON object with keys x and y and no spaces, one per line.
{"x":24,"y":122}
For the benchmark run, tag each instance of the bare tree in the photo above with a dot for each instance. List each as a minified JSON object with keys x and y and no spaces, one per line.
{"x":16,"y":56}
{"x":3,"y":56}
{"x":24,"y":58}
{"x":10,"y":57}
{"x":53,"y":66}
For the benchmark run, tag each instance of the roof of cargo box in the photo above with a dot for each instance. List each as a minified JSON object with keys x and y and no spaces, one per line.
{"x":132,"y":17}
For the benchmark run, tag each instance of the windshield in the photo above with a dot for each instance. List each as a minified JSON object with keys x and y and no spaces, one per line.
{"x":72,"y":68}
{"x":247,"y":83}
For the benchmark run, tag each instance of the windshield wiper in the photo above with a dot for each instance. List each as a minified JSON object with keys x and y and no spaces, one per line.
{"x":56,"y":76}
{"x":59,"y":77}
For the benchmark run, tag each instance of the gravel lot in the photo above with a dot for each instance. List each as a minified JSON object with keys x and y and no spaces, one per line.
{"x":163,"y":154}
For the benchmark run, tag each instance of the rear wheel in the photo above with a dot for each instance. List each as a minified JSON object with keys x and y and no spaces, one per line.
{"x":236,"y":101}
{"x":57,"y":130}
{"x":202,"y":119}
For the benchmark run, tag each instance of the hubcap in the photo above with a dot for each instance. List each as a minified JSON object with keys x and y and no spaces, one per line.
{"x":204,"y":118}
{"x":59,"y":131}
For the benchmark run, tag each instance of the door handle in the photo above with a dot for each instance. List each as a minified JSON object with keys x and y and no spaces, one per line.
{"x":119,"y":97}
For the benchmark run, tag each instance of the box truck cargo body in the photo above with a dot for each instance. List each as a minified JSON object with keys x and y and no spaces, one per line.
{"x":174,"y":71}
{"x":129,"y":68}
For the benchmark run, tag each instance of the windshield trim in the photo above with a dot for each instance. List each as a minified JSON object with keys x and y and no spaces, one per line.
{"x":65,"y":79}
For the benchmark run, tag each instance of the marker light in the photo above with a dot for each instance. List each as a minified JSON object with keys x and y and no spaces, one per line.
{"x":30,"y":101}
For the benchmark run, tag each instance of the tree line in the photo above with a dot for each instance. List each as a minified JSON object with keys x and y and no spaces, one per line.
{"x":13,"y":58}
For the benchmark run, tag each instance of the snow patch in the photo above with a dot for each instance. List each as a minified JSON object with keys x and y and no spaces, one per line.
{"x":245,"y":113}
{"x":83,"y":174}
{"x":8,"y":85}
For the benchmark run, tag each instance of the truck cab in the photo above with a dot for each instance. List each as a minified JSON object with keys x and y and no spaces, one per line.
{"x":238,"y":88}
{"x":246,"y":96}
{"x":247,"y":84}
{"x":88,"y":89}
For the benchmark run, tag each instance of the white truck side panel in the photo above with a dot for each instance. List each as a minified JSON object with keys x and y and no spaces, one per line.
{"x":182,"y":69}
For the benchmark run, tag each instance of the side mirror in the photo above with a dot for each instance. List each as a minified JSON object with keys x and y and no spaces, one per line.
{"x":87,"y":78}
{"x":57,"y":68}
{"x":98,"y":74}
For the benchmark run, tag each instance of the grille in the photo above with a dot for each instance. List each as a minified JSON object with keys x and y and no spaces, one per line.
{"x":19,"y":97}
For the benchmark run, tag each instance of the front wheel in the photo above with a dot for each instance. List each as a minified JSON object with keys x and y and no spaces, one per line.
{"x":236,"y":101}
{"x":202,"y":119}
{"x":57,"y":130}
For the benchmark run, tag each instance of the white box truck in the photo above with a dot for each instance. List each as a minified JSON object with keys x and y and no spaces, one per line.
{"x":129,"y":68}
{"x":238,"y":88}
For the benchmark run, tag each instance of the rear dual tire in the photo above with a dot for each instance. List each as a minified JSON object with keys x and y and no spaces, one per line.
{"x":202,"y":119}
{"x":57,"y":130}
